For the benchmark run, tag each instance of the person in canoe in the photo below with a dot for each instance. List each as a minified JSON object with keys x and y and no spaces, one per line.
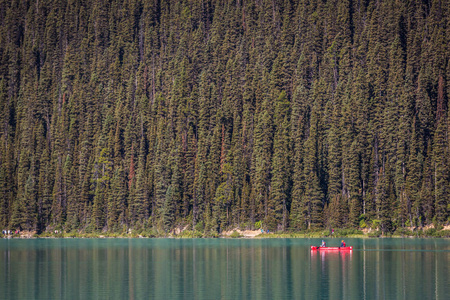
{"x":342,"y":243}
{"x":323,"y":244}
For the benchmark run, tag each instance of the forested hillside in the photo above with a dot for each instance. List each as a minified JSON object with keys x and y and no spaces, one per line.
{"x":217,"y":114}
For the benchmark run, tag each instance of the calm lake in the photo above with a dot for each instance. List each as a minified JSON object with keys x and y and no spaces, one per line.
{"x":223,"y":269}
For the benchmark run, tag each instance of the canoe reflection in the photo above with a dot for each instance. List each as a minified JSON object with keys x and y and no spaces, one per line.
{"x":332,"y":255}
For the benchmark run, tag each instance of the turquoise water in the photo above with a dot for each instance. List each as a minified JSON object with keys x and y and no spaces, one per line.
{"x":223,"y":269}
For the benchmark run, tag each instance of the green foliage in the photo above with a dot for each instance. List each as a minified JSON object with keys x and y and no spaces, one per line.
{"x":376,"y":223}
{"x":442,"y":234}
{"x":362,"y":224}
{"x":301,"y":115}
{"x":430,"y":232}
{"x":347,"y":232}
{"x":403,"y":232}
{"x":235,"y":234}
{"x":199,"y":226}
{"x":192,"y":234}
{"x":376,"y":233}
{"x":211,"y":234}
{"x":258,"y":224}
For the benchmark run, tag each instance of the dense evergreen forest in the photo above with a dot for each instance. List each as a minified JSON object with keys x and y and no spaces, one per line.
{"x":218,"y":114}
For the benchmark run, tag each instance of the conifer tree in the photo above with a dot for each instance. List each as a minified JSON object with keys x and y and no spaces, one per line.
{"x":312,"y":200}
{"x":280,"y":183}
{"x":261,"y":162}
{"x":441,"y":172}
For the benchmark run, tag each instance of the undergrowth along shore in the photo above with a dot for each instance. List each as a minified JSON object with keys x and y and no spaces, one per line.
{"x":338,"y":233}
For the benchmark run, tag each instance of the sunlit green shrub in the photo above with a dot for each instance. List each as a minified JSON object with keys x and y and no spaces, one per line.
{"x":258,"y":224}
{"x":402,"y":231}
{"x":199,"y":226}
{"x":362,"y":224}
{"x":347,"y":232}
{"x":375,"y":233}
{"x":235,"y":234}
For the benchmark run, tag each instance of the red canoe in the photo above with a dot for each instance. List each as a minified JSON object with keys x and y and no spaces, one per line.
{"x":331,"y":248}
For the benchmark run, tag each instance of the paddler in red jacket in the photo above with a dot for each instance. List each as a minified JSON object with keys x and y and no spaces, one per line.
{"x":342,"y":243}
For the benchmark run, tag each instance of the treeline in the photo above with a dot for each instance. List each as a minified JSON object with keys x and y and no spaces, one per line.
{"x":216,"y":114}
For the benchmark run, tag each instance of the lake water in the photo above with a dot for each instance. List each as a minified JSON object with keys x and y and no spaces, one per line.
{"x":223,"y":269}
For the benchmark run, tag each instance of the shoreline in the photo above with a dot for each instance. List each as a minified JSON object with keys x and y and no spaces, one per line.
{"x":243,"y":234}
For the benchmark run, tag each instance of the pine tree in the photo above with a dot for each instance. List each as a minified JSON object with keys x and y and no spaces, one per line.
{"x":139,"y":204}
{"x":312,"y":200}
{"x":223,"y":199}
{"x":441,"y":172}
{"x":261,"y":163}
{"x":102,"y":180}
{"x":413,"y":207}
{"x":277,"y":216}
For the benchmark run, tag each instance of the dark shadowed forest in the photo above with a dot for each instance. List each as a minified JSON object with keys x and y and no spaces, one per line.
{"x":220,"y":114}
